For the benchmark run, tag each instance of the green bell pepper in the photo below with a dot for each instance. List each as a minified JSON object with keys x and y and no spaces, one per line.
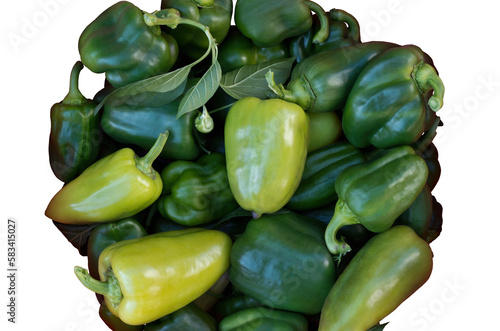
{"x":237,"y":51}
{"x":140,"y":125}
{"x":232,"y":304}
{"x":74,"y":132}
{"x":436,"y":225}
{"x":266,"y":147}
{"x":324,"y":129}
{"x":189,"y":317}
{"x":387,"y":104}
{"x":120,"y":43}
{"x":383,"y":274}
{"x":288,"y":18}
{"x":323,"y":166}
{"x":263,"y":319}
{"x":282,"y":261}
{"x":418,"y":215}
{"x":344,"y":31}
{"x":107,"y":234}
{"x":431,"y":157}
{"x":115,"y":187}
{"x":196,"y":193}
{"x":322,"y":81}
{"x":374,"y":193}
{"x":147,"y":278}
{"x":215,"y":14}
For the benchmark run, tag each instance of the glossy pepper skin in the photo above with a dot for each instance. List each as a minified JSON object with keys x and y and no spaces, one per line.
{"x":179,"y":266}
{"x":266,"y":147}
{"x":344,"y":31}
{"x":140,"y":125}
{"x":232,"y":304}
{"x":237,"y":51}
{"x":282,"y":261}
{"x":322,"y":81}
{"x":115,"y":187}
{"x":113,"y":322}
{"x":216,"y":15}
{"x":289,"y":18}
{"x":105,"y":235}
{"x":74,"y":132}
{"x":323,"y":166}
{"x":198,"y":192}
{"x":138,"y":51}
{"x":262,"y":319}
{"x":387,"y":105}
{"x":383,"y":274}
{"x":374,"y":193}
{"x":189,"y":317}
{"x":324,"y":129}
{"x":418,"y":215}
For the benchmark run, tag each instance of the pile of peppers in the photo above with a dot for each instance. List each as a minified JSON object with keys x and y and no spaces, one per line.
{"x":247,"y":176}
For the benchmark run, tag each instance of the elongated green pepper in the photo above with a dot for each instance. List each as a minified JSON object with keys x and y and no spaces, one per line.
{"x":383,"y":274}
{"x":74,"y":132}
{"x":375,"y":193}
{"x":266,"y":147}
{"x":117,"y":186}
{"x":262,"y":319}
{"x":147,"y":278}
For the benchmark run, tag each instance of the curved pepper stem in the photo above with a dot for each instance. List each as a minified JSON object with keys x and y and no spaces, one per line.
{"x":172,"y":18}
{"x":300,"y":91}
{"x":342,"y":216}
{"x":75,"y":97}
{"x":352,"y":23}
{"x":324,"y":30}
{"x":427,"y":79}
{"x":145,"y":163}
{"x":110,"y":288}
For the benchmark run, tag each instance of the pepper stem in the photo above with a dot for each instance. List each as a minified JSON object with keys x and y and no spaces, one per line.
{"x":427,"y":79}
{"x":352,"y":23}
{"x":299,"y":92}
{"x":342,"y":216}
{"x":75,"y":97}
{"x":421,"y":144}
{"x":171,"y":18}
{"x":145,"y":163}
{"x":109,"y":288}
{"x":324,"y":29}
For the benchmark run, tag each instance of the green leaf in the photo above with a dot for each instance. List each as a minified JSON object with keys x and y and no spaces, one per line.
{"x":378,"y":327}
{"x":200,"y":93}
{"x":250,"y":80}
{"x":77,"y":235}
{"x":165,"y":83}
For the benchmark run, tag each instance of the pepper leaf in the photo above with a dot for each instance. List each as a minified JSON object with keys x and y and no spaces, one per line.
{"x":250,"y":80}
{"x":378,"y":327}
{"x":77,"y":235}
{"x":202,"y":91}
{"x":165,"y":83}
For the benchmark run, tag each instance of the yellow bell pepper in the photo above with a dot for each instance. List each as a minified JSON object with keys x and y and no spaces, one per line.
{"x":146,"y":278}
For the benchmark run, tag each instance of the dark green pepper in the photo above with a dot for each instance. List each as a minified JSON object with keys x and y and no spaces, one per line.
{"x":418,"y":215}
{"x":436,"y":225}
{"x":317,"y":186}
{"x":322,"y":81}
{"x":288,"y":18}
{"x":383,"y":274}
{"x":106,"y":234}
{"x":387,"y":104}
{"x":74,"y":132}
{"x":121,"y":44}
{"x":215,"y":14}
{"x":232,"y":304}
{"x":263,"y":319}
{"x":140,"y":125}
{"x":344,"y":31}
{"x":237,"y":51}
{"x":431,"y":157}
{"x":189,"y":317}
{"x":282,"y":261}
{"x":375,"y":193}
{"x":196,"y":193}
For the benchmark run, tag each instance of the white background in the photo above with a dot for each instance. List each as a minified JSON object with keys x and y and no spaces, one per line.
{"x":39,"y":46}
